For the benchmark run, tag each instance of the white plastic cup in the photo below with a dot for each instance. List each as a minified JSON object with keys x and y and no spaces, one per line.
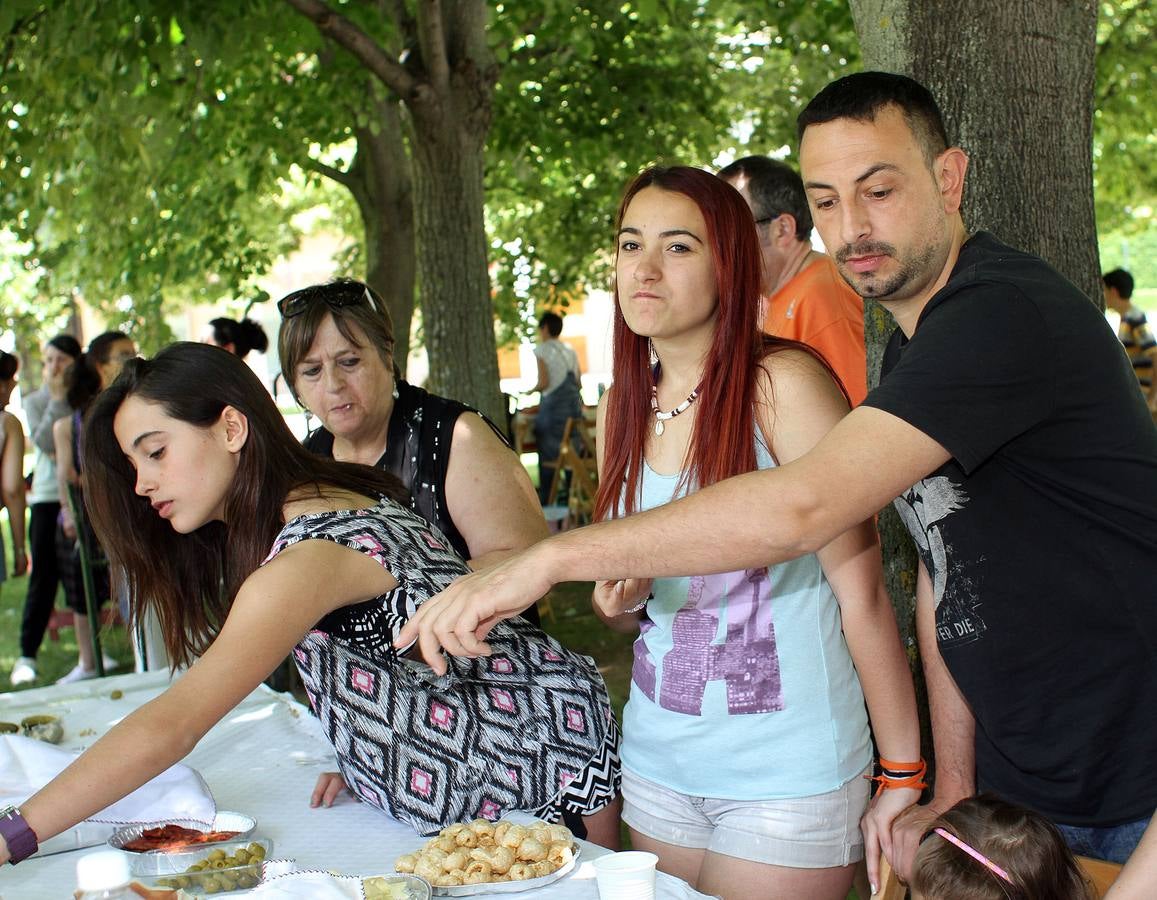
{"x":626,"y":876}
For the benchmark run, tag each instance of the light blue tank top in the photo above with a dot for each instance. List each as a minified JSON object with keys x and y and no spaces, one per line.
{"x":742,"y":686}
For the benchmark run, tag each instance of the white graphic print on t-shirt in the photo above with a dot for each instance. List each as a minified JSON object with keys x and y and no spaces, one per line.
{"x":923,"y":508}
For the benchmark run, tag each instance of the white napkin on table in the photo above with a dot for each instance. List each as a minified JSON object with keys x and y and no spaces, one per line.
{"x":26,"y":765}
{"x":308,"y":885}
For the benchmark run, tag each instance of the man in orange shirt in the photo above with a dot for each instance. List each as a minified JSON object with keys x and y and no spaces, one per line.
{"x":806,"y":299}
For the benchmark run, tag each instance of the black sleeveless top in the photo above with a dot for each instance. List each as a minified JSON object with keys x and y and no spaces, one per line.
{"x":418,"y":440}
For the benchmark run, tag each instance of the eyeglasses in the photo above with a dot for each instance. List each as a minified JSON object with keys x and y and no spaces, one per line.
{"x":766,"y":219}
{"x":299,"y":301}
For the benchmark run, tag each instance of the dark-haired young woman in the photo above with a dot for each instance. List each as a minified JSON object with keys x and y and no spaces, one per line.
{"x":204,"y":485}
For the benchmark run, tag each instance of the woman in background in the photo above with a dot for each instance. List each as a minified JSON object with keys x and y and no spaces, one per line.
{"x":93,"y":371}
{"x":558,"y":385}
{"x":43,"y":407}
{"x":337,"y":352}
{"x":237,"y":337}
{"x":12,"y":467}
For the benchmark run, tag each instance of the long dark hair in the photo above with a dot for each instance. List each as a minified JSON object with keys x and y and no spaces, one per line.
{"x":724,"y":446}
{"x":83,"y":381}
{"x":190,"y":580}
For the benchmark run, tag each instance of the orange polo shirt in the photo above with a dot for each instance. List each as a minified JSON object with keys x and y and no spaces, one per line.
{"x":820,"y":309}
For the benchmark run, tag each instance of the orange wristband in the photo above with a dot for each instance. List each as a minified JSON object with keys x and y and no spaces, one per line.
{"x":895,"y":776}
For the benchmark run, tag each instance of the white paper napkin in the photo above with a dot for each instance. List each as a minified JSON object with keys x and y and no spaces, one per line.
{"x":26,"y":765}
{"x":308,"y":885}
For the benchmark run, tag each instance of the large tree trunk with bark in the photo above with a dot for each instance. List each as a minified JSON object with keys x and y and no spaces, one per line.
{"x":1015,"y":84}
{"x":454,"y":284}
{"x":383,"y":189}
{"x":445,"y":80}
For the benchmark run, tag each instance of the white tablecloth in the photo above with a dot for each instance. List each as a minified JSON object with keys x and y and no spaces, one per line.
{"x":262,"y":760}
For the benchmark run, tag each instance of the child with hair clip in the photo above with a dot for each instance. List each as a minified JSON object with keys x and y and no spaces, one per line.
{"x":985,"y":848}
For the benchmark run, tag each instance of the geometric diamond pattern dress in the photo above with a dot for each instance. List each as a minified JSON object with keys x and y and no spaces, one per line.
{"x":519,"y":729}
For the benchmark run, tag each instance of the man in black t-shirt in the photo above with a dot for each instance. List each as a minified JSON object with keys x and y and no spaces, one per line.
{"x":1008,"y":430}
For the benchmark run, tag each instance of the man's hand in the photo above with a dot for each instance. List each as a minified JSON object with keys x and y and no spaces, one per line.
{"x":459,"y":618}
{"x":907,"y":830}
{"x":877,"y":823}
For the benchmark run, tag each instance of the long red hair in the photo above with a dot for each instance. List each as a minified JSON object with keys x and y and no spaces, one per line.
{"x":727,"y":391}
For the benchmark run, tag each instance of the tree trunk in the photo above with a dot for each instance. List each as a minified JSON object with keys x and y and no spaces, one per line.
{"x":453,"y":280}
{"x":445,"y":80}
{"x":1015,"y":84}
{"x":383,"y":189}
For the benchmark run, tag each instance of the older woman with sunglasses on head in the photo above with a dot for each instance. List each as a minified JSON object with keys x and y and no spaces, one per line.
{"x":337,"y":352}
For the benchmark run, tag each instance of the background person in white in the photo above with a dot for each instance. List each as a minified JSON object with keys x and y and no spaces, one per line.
{"x":558,"y":383}
{"x":1002,"y":384}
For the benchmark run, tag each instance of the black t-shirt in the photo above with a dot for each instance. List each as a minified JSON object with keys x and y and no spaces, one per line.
{"x":1040,"y":534}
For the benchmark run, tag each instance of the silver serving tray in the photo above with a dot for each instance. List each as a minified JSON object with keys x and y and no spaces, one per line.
{"x":223,"y":821}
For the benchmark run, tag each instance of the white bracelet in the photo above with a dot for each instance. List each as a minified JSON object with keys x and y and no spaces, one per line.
{"x":641,"y":605}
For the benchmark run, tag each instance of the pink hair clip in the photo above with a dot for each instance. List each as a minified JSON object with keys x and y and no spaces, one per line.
{"x":973,"y":852}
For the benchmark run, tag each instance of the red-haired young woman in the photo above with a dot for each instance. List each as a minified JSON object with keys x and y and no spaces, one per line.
{"x":745,"y":736}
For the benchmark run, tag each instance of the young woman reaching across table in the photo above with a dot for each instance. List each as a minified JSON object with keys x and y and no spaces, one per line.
{"x":204,"y":485}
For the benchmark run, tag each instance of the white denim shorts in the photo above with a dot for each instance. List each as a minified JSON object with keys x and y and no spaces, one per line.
{"x":817,"y":832}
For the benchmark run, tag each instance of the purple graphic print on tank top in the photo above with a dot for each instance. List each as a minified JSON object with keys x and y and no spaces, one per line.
{"x":746,"y":659}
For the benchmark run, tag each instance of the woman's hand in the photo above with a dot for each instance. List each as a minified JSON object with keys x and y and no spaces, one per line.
{"x":67,"y":525}
{"x":616,"y":598}
{"x":19,"y":561}
{"x":329,"y":786}
{"x":876,"y":825}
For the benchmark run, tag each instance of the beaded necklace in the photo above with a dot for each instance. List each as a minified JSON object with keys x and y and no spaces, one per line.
{"x":660,"y":416}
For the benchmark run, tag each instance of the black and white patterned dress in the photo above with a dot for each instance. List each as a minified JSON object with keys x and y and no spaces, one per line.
{"x":529,"y":727}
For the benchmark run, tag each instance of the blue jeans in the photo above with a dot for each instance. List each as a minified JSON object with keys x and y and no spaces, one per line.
{"x":1114,"y":843}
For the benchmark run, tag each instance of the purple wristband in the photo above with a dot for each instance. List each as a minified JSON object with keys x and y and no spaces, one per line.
{"x":17,"y":834}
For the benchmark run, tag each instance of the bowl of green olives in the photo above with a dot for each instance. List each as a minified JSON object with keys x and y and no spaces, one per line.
{"x":205,"y":869}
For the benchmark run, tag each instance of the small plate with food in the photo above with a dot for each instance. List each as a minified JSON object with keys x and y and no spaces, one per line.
{"x":182,"y":834}
{"x":483,"y":857}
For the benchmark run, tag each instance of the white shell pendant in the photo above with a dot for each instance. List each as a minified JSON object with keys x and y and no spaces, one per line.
{"x":658,"y":426}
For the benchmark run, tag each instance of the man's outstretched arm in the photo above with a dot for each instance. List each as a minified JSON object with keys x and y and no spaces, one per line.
{"x":755,"y":519}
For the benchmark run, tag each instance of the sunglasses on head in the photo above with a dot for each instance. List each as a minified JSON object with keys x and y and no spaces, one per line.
{"x":299,"y":301}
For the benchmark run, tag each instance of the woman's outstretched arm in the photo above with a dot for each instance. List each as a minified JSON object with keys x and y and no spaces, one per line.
{"x":275,"y":606}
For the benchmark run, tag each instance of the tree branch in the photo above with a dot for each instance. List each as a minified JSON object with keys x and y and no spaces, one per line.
{"x":403,"y":21}
{"x":342,"y":178}
{"x":360,"y":45}
{"x":432,"y":38}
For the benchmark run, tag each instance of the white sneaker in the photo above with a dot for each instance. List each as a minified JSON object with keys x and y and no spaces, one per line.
{"x":78,"y":673}
{"x":24,"y":672}
{"x":110,"y":664}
